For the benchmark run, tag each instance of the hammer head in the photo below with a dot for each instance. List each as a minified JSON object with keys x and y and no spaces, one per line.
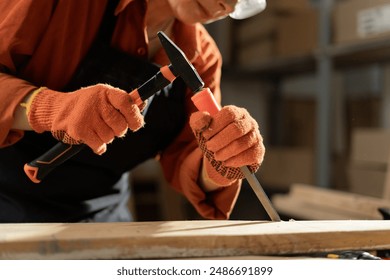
{"x":181,"y":66}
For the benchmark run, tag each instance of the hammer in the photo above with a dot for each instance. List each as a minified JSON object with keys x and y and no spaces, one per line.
{"x":39,"y":168}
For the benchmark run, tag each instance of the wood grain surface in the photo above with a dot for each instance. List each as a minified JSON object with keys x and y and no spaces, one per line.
{"x":189,"y":239}
{"x":307,"y":202}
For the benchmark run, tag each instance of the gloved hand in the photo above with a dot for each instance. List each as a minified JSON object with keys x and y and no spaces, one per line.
{"x":229,"y":139}
{"x":93,"y":115}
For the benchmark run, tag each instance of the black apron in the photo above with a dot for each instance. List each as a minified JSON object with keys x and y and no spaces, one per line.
{"x":86,"y":185}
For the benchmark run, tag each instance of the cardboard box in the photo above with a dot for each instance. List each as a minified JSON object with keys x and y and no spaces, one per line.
{"x":368,"y":167}
{"x":366,"y":179}
{"x":276,"y":32}
{"x":287,"y":6}
{"x":361,"y":20}
{"x":254,"y":28}
{"x":370,"y":146}
{"x":285,"y":166}
{"x":256,"y":52}
{"x":255,"y":39}
{"x":299,"y":122}
{"x":362,"y":112}
{"x":297,"y":33}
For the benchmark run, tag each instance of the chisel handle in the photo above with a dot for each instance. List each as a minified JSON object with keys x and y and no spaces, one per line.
{"x":204,"y":101}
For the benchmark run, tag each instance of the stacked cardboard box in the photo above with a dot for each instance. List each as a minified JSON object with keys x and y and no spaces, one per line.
{"x":284,"y":166}
{"x":297,"y":32}
{"x":369,"y":162}
{"x":285,"y":28}
{"x":361,"y":20}
{"x":255,"y":39}
{"x":288,"y":6}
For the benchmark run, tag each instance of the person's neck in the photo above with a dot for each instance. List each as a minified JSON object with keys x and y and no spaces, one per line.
{"x":159,"y":17}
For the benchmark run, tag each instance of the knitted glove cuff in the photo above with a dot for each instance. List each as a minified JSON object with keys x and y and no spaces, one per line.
{"x":43,"y":105}
{"x":211,"y":175}
{"x":231,"y":173}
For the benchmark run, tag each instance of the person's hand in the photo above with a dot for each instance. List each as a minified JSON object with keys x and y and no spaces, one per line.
{"x":93,"y":115}
{"x":229,"y":140}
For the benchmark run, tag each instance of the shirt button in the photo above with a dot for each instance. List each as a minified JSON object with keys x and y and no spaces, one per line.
{"x":141,"y":51}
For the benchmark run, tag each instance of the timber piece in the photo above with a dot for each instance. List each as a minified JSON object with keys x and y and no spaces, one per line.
{"x":188,"y":239}
{"x":315,"y":203}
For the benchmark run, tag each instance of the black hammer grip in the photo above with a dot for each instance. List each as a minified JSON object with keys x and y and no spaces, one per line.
{"x":37,"y":169}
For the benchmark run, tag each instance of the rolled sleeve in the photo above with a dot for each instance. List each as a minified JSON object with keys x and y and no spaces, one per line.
{"x":217,"y":204}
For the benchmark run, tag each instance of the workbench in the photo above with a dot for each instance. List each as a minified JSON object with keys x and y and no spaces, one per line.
{"x":189,"y":239}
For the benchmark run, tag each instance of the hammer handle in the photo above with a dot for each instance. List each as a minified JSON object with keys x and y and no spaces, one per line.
{"x":204,"y":101}
{"x":39,"y":168}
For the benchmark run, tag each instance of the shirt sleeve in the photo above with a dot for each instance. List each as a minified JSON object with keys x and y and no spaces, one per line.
{"x":21,"y":25}
{"x":182,"y":160}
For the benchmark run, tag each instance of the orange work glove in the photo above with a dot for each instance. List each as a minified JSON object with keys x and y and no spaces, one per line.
{"x":229,"y":139}
{"x":93,"y":115}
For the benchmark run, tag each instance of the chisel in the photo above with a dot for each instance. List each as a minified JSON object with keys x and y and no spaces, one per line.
{"x":204,"y":101}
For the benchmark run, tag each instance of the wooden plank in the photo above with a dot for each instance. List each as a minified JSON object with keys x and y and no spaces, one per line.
{"x":318,"y":203}
{"x":301,"y":209}
{"x":188,"y":239}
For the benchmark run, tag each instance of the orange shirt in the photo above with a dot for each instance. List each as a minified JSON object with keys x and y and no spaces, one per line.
{"x":42,"y":43}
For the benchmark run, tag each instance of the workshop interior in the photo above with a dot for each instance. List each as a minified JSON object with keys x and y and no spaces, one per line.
{"x":315,"y":75}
